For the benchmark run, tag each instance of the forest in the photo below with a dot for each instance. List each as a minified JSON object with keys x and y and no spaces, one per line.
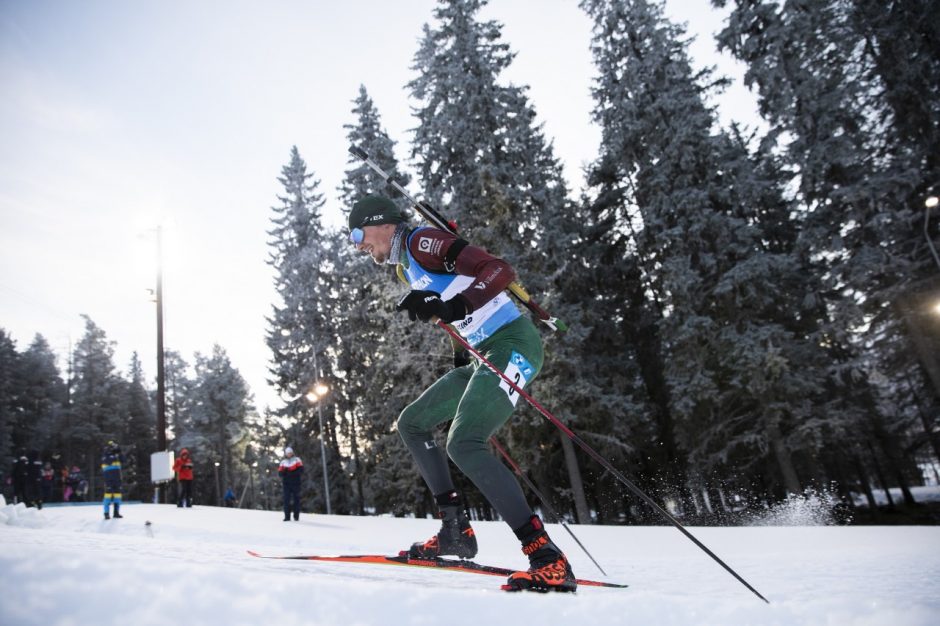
{"x":754,"y":313}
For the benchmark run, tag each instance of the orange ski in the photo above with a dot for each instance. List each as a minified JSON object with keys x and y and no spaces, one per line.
{"x":441,"y":564}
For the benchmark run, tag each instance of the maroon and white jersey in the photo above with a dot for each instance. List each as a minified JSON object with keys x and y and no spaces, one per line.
{"x":439,"y":261}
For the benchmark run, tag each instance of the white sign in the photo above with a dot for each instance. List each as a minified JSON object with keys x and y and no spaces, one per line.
{"x":161,"y":466}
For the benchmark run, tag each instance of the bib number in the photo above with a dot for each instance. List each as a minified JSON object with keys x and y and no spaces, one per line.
{"x":519,"y":371}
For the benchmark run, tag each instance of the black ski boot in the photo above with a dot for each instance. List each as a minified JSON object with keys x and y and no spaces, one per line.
{"x":117,"y":511}
{"x":549,"y":569}
{"x":456,"y":536}
{"x":107,"y":515}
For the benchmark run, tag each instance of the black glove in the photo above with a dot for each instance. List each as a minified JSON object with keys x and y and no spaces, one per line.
{"x":424,"y":305}
{"x":461,"y":358}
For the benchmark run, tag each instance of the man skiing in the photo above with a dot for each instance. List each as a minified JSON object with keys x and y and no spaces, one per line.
{"x":111,"y":461}
{"x":463,"y":285}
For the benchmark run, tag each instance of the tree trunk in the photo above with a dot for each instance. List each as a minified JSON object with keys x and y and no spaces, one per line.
{"x":574,"y":478}
{"x":925,"y":419}
{"x":894,"y":465}
{"x":716,"y":504}
{"x":784,"y":461}
{"x":880,"y":475}
{"x":643,"y":333}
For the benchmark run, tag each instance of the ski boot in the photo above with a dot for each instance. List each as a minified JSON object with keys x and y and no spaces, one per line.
{"x":117,"y":511}
{"x":107,"y":515}
{"x":549,"y":569}
{"x":455,"y":538}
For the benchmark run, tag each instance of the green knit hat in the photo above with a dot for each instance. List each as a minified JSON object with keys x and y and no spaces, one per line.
{"x":374,"y":210}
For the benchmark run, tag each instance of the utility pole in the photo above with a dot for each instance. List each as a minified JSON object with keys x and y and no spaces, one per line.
{"x":161,"y":372}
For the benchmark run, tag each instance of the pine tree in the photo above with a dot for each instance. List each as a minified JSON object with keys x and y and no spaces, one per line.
{"x":178,"y":393}
{"x":370,"y":337}
{"x":688,"y":203}
{"x":139,"y":432}
{"x":481,"y":151}
{"x":221,"y":408}
{"x":9,"y":387}
{"x":299,"y":329}
{"x":835,"y":81}
{"x":478,"y":147}
{"x":42,"y":398}
{"x":95,"y":416}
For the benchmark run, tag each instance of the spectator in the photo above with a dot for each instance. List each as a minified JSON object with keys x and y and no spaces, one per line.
{"x":291,"y":469}
{"x":229,"y":498}
{"x":20,"y":477}
{"x":48,"y":481}
{"x":76,"y":485}
{"x":183,"y":466}
{"x":61,"y":473}
{"x":111,"y":462}
{"x":34,"y":480}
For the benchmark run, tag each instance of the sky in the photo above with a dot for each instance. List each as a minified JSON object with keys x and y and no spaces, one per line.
{"x":163,"y":565}
{"x":117,"y":117}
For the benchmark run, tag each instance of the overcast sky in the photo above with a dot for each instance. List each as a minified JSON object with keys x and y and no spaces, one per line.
{"x":116,"y":116}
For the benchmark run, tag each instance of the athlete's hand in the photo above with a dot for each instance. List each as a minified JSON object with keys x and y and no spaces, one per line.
{"x":426,"y":305}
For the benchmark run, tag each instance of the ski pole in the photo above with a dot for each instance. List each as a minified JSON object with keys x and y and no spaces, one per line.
{"x":544,"y":500}
{"x":436,"y":219}
{"x":596,"y":456}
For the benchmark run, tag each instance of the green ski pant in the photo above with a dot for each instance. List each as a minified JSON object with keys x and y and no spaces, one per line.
{"x":479,"y":402}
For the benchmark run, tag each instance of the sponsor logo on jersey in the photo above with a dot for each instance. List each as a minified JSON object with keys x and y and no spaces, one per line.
{"x":422,"y":282}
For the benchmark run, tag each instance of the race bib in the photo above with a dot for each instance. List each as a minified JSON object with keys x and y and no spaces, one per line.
{"x":519,"y":371}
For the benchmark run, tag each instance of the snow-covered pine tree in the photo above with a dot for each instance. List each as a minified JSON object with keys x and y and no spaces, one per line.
{"x":42,"y":399}
{"x":138,"y":434}
{"x":373,"y":344}
{"x":221,"y":406}
{"x":299,"y":329}
{"x":835,"y":81}
{"x":178,"y":395}
{"x":481,"y":152}
{"x":95,"y":415}
{"x":683,"y":193}
{"x":9,"y":371}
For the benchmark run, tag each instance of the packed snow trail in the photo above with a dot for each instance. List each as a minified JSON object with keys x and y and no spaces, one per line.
{"x":65,"y":565}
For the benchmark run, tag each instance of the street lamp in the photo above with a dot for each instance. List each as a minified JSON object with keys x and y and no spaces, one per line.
{"x":218,"y":491}
{"x":319,"y":390}
{"x":929,"y":203}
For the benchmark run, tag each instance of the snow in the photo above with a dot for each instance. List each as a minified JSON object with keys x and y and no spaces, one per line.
{"x":65,"y":565}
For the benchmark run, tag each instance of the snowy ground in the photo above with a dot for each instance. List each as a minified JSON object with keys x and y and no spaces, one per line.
{"x":65,"y":565}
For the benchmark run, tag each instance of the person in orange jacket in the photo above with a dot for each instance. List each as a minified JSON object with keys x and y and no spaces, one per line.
{"x":183,"y":466}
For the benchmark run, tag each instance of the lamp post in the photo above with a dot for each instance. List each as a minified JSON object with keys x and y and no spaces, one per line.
{"x":218,"y":490}
{"x":251,"y":481}
{"x":319,"y":390}
{"x":930,"y":203}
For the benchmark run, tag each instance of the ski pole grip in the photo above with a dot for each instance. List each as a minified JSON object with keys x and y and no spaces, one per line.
{"x":358,"y":152}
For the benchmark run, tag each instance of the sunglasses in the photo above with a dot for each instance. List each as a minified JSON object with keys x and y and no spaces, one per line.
{"x":356,"y":235}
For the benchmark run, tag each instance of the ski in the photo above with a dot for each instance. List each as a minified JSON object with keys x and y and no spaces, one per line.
{"x":438,"y":563}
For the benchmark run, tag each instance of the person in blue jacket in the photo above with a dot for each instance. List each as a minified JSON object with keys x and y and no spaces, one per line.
{"x":111,"y":462}
{"x":291,"y":469}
